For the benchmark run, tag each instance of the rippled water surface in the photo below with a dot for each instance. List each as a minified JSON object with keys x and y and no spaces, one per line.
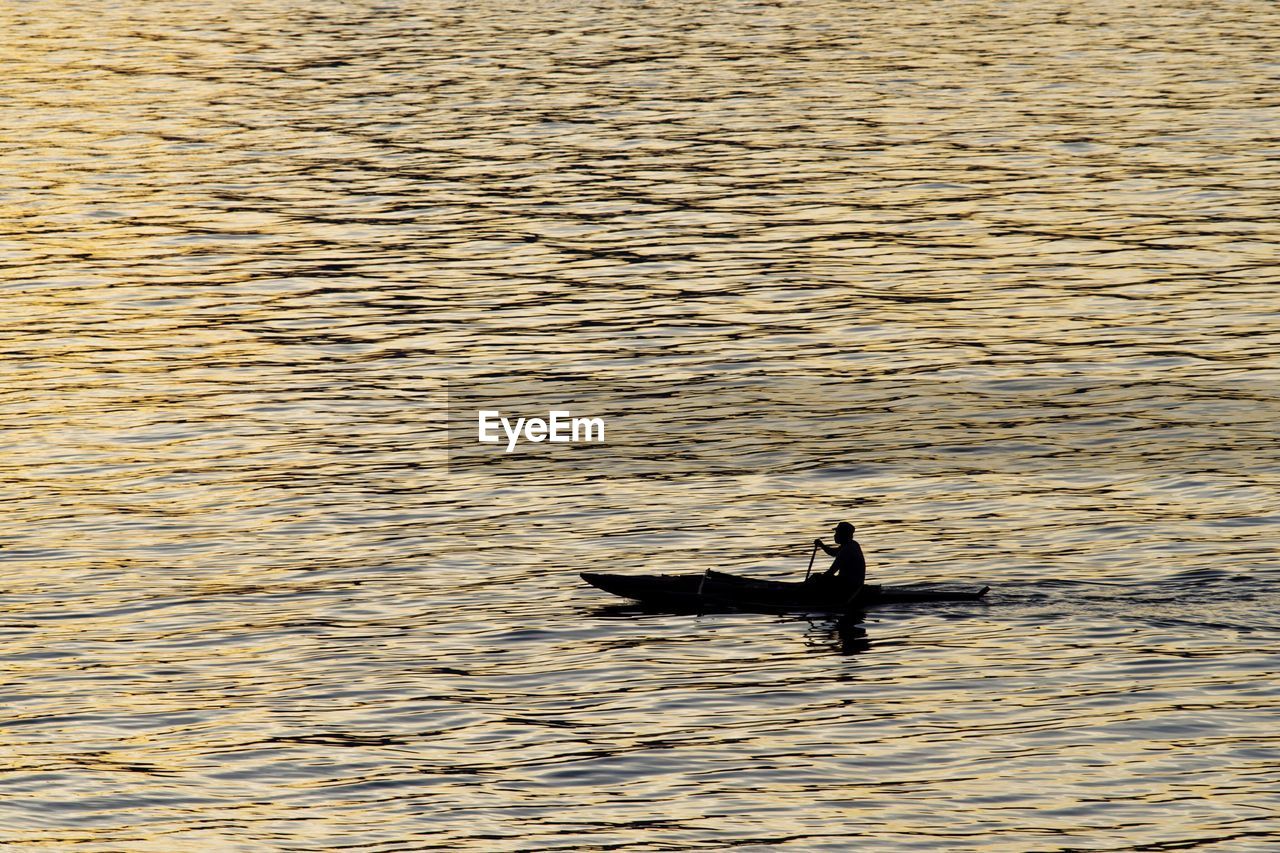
{"x":245,"y":605}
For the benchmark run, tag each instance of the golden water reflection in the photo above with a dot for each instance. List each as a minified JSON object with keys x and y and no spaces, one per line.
{"x":244,"y":245}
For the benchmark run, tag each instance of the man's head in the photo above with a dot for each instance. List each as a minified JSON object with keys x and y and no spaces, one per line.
{"x":844,"y":532}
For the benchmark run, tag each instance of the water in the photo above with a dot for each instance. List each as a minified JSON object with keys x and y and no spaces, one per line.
{"x":245,"y":606}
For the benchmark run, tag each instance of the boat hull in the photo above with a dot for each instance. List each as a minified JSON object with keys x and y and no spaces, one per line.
{"x":716,"y":590}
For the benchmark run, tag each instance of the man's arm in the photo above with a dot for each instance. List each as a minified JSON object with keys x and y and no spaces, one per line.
{"x":831,"y":552}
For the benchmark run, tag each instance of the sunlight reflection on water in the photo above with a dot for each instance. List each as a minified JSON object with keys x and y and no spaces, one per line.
{"x":247,"y":607}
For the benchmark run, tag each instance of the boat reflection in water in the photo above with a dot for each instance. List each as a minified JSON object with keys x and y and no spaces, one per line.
{"x":841,"y":634}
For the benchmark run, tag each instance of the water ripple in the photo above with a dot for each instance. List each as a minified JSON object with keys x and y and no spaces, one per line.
{"x":247,"y":607}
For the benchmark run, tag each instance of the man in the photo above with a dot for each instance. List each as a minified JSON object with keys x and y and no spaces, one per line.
{"x":849,"y":569}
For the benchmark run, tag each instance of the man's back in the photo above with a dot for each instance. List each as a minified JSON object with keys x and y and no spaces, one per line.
{"x":850,"y":565}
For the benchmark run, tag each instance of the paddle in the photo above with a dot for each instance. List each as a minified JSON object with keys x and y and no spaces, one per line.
{"x":848,"y":602}
{"x":811,"y":556}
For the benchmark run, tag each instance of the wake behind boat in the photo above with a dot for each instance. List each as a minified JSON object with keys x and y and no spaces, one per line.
{"x":714,"y":589}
